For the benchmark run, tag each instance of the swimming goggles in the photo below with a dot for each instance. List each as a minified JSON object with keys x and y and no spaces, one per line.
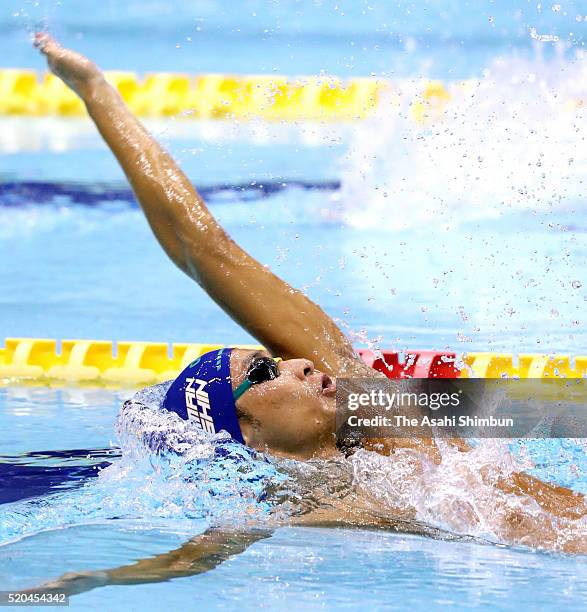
{"x":262,"y":369}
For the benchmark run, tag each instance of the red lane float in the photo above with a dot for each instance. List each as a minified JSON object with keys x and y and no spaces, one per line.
{"x":415,"y":364}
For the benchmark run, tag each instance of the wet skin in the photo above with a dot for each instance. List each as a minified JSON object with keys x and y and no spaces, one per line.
{"x":288,"y":417}
{"x":293,"y":415}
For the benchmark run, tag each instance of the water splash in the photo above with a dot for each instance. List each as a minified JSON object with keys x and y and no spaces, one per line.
{"x":168,"y":471}
{"x":172,"y":476}
{"x":460,"y":495}
{"x":512,"y":141}
{"x":35,"y":15}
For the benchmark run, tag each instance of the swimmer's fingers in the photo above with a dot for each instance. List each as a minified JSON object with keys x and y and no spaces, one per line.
{"x":40,"y":40}
{"x":44,"y":42}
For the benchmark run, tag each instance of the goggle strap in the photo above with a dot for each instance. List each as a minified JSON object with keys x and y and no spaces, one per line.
{"x":242,"y":388}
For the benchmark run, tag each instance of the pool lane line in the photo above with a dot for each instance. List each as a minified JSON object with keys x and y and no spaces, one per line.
{"x":276,"y":98}
{"x":41,"y":473}
{"x":25,"y":193}
{"x":204,"y":96}
{"x":129,"y":364}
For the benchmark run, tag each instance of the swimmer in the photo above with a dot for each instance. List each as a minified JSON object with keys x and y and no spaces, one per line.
{"x":285,"y":408}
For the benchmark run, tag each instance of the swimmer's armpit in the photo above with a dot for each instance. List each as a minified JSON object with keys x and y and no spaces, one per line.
{"x":200,"y":554}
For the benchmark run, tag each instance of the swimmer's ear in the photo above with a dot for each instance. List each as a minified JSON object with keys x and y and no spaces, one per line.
{"x":242,"y":416}
{"x":249,"y":426}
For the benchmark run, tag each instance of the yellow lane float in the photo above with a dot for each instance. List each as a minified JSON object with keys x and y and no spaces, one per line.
{"x":100,"y":362}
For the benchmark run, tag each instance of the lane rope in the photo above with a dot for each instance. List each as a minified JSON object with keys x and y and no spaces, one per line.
{"x":208,"y":96}
{"x":101,"y":362}
{"x":243,"y":97}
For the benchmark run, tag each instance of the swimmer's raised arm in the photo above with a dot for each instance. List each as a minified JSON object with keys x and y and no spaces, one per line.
{"x":283,"y":319}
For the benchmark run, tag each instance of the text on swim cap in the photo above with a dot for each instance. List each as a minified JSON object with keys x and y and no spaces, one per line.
{"x":198,"y":405}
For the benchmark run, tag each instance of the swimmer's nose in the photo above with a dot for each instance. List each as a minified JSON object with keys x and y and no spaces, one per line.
{"x":302,"y":368}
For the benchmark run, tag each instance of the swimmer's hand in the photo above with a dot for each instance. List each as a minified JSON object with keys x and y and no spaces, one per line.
{"x":284,"y":320}
{"x":200,"y":554}
{"x":77,"y":71}
{"x":72,"y":583}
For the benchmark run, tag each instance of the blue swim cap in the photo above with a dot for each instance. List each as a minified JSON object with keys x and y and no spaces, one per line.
{"x":202,"y":394}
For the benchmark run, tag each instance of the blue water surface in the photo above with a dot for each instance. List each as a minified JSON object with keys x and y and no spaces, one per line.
{"x":83,"y":524}
{"x":435,"y":38}
{"x":479,"y":245}
{"x":97,"y":272}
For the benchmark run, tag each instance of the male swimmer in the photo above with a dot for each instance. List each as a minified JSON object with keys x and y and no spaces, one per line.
{"x":284,"y":408}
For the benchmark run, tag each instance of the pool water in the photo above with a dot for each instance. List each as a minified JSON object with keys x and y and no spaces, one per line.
{"x":86,"y":520}
{"x":477,"y":286}
{"x":464,"y":235}
{"x":346,"y":37}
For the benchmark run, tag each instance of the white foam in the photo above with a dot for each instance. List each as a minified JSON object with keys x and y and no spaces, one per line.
{"x":512,"y":141}
{"x":460,"y":495}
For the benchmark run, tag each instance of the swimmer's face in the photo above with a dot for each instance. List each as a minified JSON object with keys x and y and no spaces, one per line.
{"x":292,"y":415}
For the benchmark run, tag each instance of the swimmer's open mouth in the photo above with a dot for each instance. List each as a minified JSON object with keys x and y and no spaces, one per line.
{"x":328,"y":385}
